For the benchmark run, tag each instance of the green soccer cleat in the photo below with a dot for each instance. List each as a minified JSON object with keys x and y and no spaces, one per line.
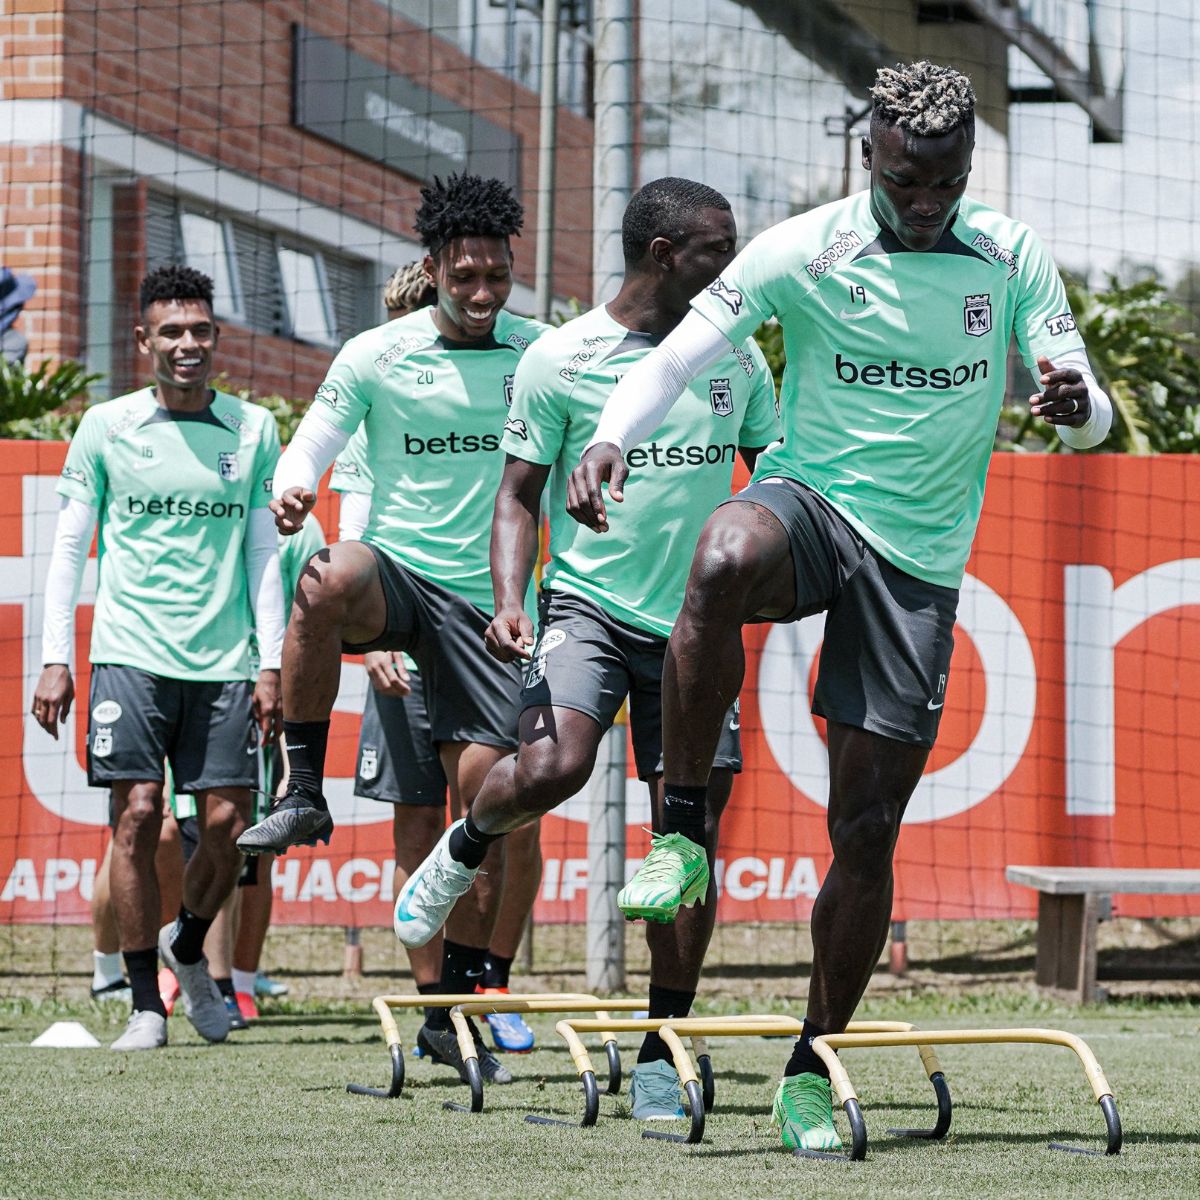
{"x":675,"y":873}
{"x":803,"y":1113}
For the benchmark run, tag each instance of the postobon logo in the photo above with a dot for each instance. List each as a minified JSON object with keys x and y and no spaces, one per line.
{"x":102,"y":743}
{"x":842,"y":244}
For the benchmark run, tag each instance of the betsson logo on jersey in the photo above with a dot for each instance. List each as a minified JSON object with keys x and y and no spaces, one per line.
{"x":176,"y":506}
{"x":899,"y":375}
{"x":680,"y":456}
{"x":452,"y":443}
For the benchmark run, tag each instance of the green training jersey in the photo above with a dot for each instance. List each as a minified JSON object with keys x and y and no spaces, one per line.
{"x":350,"y":471}
{"x":175,"y":491}
{"x":636,"y":571}
{"x":433,"y":411}
{"x":895,"y":364}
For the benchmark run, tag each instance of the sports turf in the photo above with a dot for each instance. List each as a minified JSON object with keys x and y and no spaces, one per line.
{"x":268,"y":1114}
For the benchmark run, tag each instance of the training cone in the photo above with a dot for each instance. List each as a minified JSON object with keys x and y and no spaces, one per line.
{"x":66,"y":1035}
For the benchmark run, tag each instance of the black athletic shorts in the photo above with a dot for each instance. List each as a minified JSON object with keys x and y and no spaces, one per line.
{"x":888,"y":635}
{"x":205,"y":730}
{"x":589,"y":661}
{"x":469,"y":695}
{"x":397,"y":760}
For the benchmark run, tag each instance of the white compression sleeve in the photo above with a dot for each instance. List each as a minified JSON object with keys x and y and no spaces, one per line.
{"x":1100,"y":422}
{"x":261,"y":558}
{"x":645,"y":395}
{"x":72,"y":539}
{"x":311,"y":452}
{"x":353,"y":515}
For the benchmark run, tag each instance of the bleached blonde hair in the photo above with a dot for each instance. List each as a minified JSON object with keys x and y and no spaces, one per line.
{"x":923,"y":99}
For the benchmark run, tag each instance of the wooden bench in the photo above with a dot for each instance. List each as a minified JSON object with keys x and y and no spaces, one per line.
{"x":1071,"y":902}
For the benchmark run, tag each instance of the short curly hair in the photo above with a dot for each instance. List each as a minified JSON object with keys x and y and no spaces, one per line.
{"x":923,"y":99}
{"x":466,"y":206}
{"x":175,"y":282}
{"x":408,"y":289}
{"x":665,"y":208}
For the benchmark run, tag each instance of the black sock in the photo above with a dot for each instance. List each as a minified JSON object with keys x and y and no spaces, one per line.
{"x":664,"y":1002}
{"x":435,"y":1018}
{"x":225,"y":986}
{"x":469,"y":845}
{"x":187,"y":938}
{"x":803,"y":1057}
{"x":683,"y":811}
{"x":142,"y":968}
{"x":496,"y":970}
{"x":462,"y":966}
{"x":306,"y":742}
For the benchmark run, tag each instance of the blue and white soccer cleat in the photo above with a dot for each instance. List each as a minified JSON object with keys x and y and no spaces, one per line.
{"x":429,"y":894}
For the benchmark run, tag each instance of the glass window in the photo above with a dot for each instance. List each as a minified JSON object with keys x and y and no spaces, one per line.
{"x":304,"y":294}
{"x":207,"y":248}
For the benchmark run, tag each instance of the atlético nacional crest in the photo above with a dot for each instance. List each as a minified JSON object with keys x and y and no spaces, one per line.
{"x":508,"y":382}
{"x":977,"y":315}
{"x":368,"y":764}
{"x":227,"y":466}
{"x":102,"y":742}
{"x":720,"y":395}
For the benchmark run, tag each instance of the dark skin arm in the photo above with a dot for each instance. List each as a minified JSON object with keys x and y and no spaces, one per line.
{"x":53,"y":697}
{"x":514,"y":548}
{"x":1065,"y":400}
{"x":603,"y":464}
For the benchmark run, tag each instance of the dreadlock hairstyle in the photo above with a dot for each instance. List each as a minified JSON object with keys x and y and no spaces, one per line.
{"x":466,"y":206}
{"x":923,"y":99}
{"x":664,"y":208}
{"x":175,"y":282}
{"x":408,"y":289}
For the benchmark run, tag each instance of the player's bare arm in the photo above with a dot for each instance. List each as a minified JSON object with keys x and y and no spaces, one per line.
{"x":514,"y":547}
{"x":268,"y":704}
{"x":601,"y":464}
{"x":387,"y":673}
{"x":53,"y":697}
{"x":1065,"y":399}
{"x":292,"y":508}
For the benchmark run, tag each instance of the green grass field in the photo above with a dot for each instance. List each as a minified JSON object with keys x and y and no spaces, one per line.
{"x":267,"y":1113}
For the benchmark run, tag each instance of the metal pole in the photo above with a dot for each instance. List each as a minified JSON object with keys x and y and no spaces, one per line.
{"x":612,"y":154}
{"x":547,"y":136}
{"x":606,"y":865}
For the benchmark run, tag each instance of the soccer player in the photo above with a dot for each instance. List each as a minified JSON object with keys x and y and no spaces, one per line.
{"x":897,"y":307}
{"x":432,"y":390}
{"x":608,"y":606}
{"x":178,"y":476}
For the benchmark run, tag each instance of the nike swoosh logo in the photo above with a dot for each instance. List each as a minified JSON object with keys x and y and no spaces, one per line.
{"x":474,"y":974}
{"x":735,"y":725}
{"x":402,"y":913}
{"x":934,"y":707}
{"x":855,"y":316}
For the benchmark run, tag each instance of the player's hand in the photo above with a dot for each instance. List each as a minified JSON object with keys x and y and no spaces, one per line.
{"x":268,"y":705}
{"x":1065,"y":400}
{"x":53,"y":697}
{"x":510,"y":635}
{"x":291,"y":508}
{"x":602,"y":464}
{"x":387,"y":673}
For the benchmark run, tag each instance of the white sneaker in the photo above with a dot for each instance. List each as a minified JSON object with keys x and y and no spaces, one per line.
{"x":202,"y":999}
{"x":430,"y":893}
{"x":143,"y":1031}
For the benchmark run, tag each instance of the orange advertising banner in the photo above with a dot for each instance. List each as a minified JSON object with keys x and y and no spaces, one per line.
{"x":1069,"y":734}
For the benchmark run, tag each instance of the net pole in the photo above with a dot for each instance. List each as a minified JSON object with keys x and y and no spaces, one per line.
{"x":606,"y":866}
{"x":612,"y":154}
{"x":547,"y":137}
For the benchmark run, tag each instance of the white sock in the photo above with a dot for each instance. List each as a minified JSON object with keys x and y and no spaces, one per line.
{"x":106,"y":969}
{"x":243,"y":981}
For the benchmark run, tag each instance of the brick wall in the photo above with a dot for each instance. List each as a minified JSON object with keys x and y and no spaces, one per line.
{"x":215,"y":78}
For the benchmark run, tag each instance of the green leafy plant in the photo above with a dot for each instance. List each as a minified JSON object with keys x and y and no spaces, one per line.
{"x":45,"y":402}
{"x":287,"y":412}
{"x":1145,"y":359}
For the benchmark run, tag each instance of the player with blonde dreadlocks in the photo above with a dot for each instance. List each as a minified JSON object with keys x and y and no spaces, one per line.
{"x":897,"y":307}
